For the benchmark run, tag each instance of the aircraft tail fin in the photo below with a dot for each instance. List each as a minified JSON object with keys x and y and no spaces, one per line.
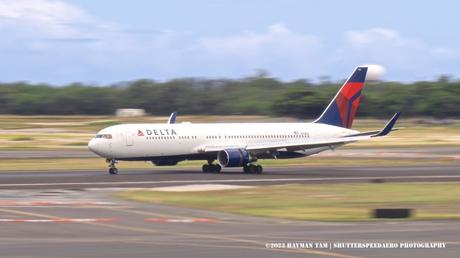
{"x":342,"y":109}
{"x":172,"y":118}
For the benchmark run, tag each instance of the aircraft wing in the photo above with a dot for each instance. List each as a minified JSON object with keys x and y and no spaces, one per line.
{"x":310,"y":144}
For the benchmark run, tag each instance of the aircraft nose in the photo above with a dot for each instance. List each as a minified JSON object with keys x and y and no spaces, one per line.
{"x":92,"y":145}
{"x":96,"y":147}
{"x":99,"y":147}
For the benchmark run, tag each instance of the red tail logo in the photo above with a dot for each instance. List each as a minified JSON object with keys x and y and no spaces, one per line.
{"x":348,"y":102}
{"x":342,"y":109}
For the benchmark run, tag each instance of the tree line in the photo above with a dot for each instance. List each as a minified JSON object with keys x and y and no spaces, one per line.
{"x":250,"y":96}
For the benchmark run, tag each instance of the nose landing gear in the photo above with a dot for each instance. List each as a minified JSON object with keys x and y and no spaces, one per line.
{"x":112,"y":169}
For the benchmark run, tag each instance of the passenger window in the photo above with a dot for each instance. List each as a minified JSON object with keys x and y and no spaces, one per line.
{"x":104,"y":136}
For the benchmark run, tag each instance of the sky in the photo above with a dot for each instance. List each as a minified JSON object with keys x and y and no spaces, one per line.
{"x":108,"y":41}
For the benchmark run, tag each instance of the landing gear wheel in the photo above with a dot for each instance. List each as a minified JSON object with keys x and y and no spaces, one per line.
{"x":252,"y":169}
{"x":259,"y":169}
{"x":112,"y":169}
{"x":217,"y":168}
{"x":212,"y":168}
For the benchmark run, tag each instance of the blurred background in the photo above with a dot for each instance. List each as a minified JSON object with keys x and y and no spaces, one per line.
{"x":216,"y":57}
{"x":69,"y":68}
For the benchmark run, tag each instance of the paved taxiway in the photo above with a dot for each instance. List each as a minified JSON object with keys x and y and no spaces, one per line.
{"x":131,"y":229}
{"x":73,"y":214}
{"x":155,"y":177}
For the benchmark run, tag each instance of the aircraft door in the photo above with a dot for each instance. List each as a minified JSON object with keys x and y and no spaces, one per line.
{"x":129,"y":139}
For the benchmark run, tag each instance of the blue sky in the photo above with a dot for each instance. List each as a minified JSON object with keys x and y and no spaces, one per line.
{"x":63,"y":41}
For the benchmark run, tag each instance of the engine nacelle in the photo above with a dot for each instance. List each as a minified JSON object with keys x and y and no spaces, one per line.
{"x":234,"y":157}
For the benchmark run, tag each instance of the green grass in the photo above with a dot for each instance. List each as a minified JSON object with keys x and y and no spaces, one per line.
{"x":321,"y":202}
{"x":21,"y":138}
{"x":77,"y":144}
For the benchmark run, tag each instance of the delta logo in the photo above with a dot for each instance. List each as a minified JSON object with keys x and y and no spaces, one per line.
{"x":157,"y":132}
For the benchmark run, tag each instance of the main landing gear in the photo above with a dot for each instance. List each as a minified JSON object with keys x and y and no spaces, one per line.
{"x":216,"y":168}
{"x":211,"y":168}
{"x":252,"y":169}
{"x":112,"y":169}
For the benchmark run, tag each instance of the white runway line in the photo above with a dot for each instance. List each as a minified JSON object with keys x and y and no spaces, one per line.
{"x":237,"y":180}
{"x":63,"y":220}
{"x":199,"y":188}
{"x":192,"y":220}
{"x":39,"y":203}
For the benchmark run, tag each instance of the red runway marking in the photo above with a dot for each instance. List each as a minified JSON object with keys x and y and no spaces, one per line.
{"x":62,"y":220}
{"x":193,"y":220}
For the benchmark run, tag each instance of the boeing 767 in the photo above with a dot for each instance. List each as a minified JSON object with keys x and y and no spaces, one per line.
{"x":238,"y":144}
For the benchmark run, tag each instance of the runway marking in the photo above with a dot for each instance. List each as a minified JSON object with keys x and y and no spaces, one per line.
{"x":192,"y":235}
{"x":59,"y":220}
{"x":144,"y":213}
{"x":191,"y":220}
{"x":236,"y":180}
{"x":4,"y":203}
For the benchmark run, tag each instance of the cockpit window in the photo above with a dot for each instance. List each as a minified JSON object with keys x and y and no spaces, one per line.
{"x":104,"y":136}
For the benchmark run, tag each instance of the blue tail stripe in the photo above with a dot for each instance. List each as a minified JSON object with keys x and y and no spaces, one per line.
{"x":332,"y":116}
{"x":359,"y":75}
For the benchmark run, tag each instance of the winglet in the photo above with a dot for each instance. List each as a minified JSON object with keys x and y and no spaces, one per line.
{"x":389,"y":126}
{"x":172,"y":118}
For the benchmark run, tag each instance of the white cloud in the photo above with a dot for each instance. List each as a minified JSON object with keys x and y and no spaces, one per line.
{"x":400,"y":54}
{"x":279,"y":49}
{"x":47,"y":18}
{"x":277,"y":38}
{"x":52,"y":40}
{"x":56,"y":39}
{"x":371,"y":36}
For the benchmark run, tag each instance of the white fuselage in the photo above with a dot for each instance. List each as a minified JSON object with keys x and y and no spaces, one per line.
{"x":145,"y":141}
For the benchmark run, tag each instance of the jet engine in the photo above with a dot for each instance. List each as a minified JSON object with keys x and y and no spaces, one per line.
{"x":234,"y":157}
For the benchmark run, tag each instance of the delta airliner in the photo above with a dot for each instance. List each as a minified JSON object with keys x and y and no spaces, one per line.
{"x":238,"y":144}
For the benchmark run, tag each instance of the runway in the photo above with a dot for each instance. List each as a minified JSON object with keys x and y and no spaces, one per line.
{"x":91,"y":223}
{"x":74,"y":214}
{"x":156,"y":177}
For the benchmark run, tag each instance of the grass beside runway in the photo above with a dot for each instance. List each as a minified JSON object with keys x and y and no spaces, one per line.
{"x":56,"y":133}
{"x":74,"y":132}
{"x":321,"y":202}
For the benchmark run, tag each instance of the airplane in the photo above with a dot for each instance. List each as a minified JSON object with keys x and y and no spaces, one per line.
{"x":238,"y":144}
